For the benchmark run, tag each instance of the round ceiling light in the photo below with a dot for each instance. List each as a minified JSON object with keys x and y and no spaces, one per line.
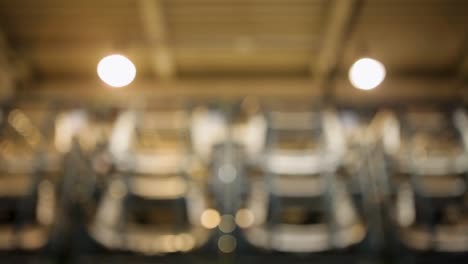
{"x":366,"y":73}
{"x":116,"y":70}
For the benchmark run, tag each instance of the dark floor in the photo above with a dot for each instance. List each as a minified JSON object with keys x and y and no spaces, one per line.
{"x":246,"y":259}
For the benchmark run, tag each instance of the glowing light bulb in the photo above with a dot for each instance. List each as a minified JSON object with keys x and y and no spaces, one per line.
{"x":366,"y":73}
{"x":245,"y":218}
{"x":210,"y":218}
{"x":116,"y":70}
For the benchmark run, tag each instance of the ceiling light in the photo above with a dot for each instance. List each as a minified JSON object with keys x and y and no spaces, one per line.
{"x":116,"y":70}
{"x":366,"y":73}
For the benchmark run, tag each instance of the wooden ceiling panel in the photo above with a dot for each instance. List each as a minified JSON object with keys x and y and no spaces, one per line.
{"x":51,"y":21}
{"x":65,"y":39}
{"x":421,"y":37}
{"x":255,"y":62}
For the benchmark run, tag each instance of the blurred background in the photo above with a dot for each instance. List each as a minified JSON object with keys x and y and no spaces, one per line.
{"x":233,"y":131}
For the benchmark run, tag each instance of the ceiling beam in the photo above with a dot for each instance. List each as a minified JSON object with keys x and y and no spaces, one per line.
{"x":7,"y":73}
{"x":155,"y":28}
{"x":336,"y":31}
{"x":398,"y":89}
{"x":208,"y":88}
{"x":462,"y":73}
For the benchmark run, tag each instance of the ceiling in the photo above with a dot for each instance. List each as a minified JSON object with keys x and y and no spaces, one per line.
{"x":237,"y":47}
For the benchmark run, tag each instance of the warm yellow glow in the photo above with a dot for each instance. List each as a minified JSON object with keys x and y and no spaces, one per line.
{"x":21,"y":123}
{"x":67,"y":126}
{"x":168,"y":244}
{"x":366,"y":73}
{"x":116,"y":70}
{"x":117,"y":189}
{"x":184,"y":242}
{"x":45,"y":204}
{"x":244,"y":218}
{"x":210,"y":218}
